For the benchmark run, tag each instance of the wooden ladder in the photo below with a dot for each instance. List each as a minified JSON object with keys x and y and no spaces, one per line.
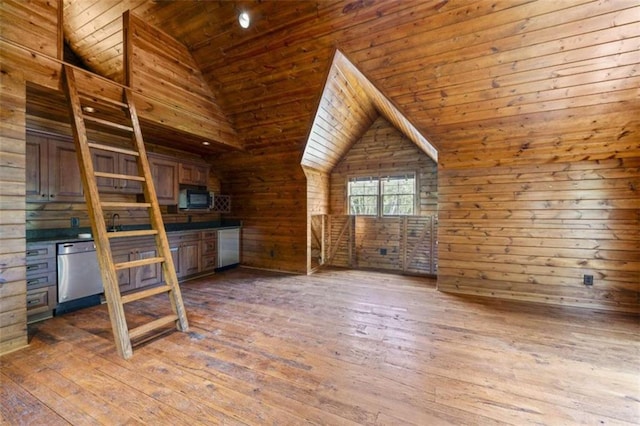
{"x":115,"y":301}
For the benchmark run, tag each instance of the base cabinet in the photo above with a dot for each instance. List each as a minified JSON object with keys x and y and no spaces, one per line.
{"x":185,"y":250}
{"x":142,"y":276}
{"x":42,"y":286}
{"x":209,"y":250}
{"x":201,"y":252}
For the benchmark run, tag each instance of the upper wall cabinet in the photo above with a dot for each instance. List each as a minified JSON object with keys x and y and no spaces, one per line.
{"x":193,"y":174}
{"x":113,"y":162}
{"x":165,"y":179}
{"x":52,"y":171}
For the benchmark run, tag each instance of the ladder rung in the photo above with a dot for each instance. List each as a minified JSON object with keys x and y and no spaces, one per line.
{"x":144,"y":329}
{"x":124,"y":234}
{"x":96,"y":98}
{"x":113,"y":149}
{"x":139,"y":262}
{"x":118,"y":176}
{"x":131,"y":297}
{"x":109,"y":123}
{"x":125,"y":205}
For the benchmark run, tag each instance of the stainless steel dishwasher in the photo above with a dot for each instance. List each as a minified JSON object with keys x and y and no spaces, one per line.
{"x":79,"y":280}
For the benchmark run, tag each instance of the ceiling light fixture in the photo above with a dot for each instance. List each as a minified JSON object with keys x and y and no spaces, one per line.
{"x":205,"y":143}
{"x":244,"y":20}
{"x":88,"y":109}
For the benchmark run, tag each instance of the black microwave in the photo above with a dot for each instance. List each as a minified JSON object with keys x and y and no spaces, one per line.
{"x":194,"y":199}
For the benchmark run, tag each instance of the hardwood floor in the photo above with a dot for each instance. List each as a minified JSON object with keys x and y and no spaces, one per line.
{"x":337,"y":347}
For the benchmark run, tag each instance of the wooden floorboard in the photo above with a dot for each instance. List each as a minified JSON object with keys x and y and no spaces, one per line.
{"x":337,"y":347}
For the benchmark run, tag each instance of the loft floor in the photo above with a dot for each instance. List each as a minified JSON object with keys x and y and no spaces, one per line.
{"x":336,"y":347}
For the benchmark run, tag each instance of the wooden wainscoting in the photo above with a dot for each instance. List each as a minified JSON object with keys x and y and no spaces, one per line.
{"x":405,"y":244}
{"x":337,"y":347}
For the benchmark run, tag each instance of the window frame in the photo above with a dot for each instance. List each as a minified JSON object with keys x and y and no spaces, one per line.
{"x":379,"y":177}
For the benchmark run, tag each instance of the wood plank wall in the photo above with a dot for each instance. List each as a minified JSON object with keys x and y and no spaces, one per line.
{"x":539,"y":187}
{"x":161,"y":68}
{"x":532,"y":232}
{"x":383,"y":149}
{"x":318,"y":184}
{"x":35,"y":24}
{"x":269,"y":197}
{"x":13,"y":285}
{"x":382,"y":243}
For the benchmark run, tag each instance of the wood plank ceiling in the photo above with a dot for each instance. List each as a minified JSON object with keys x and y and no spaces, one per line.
{"x":349,"y":104}
{"x":452,"y":68}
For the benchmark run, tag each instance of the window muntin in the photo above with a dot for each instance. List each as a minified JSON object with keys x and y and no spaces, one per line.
{"x":363,"y":196}
{"x":398,"y":195}
{"x":388,"y":195}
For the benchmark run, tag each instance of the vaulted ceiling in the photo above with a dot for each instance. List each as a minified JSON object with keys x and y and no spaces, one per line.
{"x":453,"y":68}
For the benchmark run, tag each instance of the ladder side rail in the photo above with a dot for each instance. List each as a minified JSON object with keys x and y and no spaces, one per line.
{"x":162,"y":242}
{"x":98,"y":225}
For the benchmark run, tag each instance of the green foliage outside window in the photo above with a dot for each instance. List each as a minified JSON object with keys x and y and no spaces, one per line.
{"x":392,"y":195}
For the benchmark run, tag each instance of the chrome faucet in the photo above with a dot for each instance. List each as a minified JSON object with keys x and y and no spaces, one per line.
{"x":114,"y":222}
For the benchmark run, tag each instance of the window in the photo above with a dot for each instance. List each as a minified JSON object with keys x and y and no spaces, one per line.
{"x":392,"y":195}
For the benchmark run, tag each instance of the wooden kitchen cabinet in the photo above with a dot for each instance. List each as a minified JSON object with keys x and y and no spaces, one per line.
{"x":193,"y":174}
{"x":185,"y":250}
{"x":148,"y":275}
{"x":143,"y":276}
{"x":165,"y":179}
{"x":209,"y":250}
{"x":52,"y":172}
{"x":124,"y":275}
{"x":113,"y":162}
{"x":41,"y":281}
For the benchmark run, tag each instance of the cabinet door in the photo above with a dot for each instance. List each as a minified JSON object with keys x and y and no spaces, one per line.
{"x":165,"y":180}
{"x":129,"y":166}
{"x":149,"y":274}
{"x":107,"y":162}
{"x":124,"y":275}
{"x":37,"y":174}
{"x":65,"y":184}
{"x":193,"y":174}
{"x":190,"y":257}
{"x":209,"y":252}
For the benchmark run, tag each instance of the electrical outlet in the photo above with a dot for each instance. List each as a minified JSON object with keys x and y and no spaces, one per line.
{"x":75,"y":222}
{"x":587,"y":280}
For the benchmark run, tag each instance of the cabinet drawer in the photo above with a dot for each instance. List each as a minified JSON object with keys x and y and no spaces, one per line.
{"x":181,"y":237}
{"x":41,"y":280}
{"x":207,"y":235}
{"x":39,"y":251}
{"x":208,"y":263}
{"x":41,"y":300}
{"x":40,"y":266}
{"x":209,"y":247}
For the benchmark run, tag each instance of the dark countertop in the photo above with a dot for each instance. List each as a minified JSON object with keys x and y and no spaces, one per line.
{"x":71,"y":234}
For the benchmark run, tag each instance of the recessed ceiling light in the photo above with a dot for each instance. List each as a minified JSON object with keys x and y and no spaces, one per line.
{"x":205,"y":143}
{"x":244,"y":20}
{"x":88,"y":109}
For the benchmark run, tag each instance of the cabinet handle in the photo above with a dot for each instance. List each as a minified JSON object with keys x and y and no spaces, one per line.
{"x":32,"y":252}
{"x":43,"y":195}
{"x":52,"y":196}
{"x":32,"y":267}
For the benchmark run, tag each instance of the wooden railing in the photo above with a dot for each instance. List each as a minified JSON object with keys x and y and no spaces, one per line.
{"x":406,"y":244}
